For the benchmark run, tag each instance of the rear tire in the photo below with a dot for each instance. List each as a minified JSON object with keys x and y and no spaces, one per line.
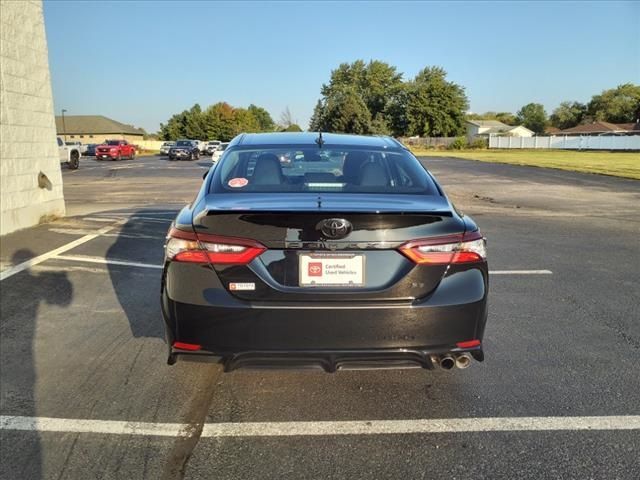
{"x":133,"y":155}
{"x":74,"y":160}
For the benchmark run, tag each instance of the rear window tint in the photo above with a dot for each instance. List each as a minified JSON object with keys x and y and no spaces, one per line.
{"x":330,"y":169}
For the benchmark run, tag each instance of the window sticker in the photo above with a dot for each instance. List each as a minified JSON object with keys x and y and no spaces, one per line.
{"x":238,"y":182}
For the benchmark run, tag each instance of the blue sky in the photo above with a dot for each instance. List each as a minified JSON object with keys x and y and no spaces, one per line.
{"x":140,"y":62}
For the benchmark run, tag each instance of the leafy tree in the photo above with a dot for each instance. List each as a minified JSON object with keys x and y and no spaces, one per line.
{"x":315,"y":123}
{"x":533,"y":116}
{"x":435,"y":107}
{"x":346,"y":112}
{"x":397,"y":117}
{"x":265,"y":122}
{"x":376,"y":83}
{"x":221,"y":122}
{"x":568,"y":115}
{"x":372,"y":98}
{"x":294,"y":127}
{"x":175,"y":127}
{"x":616,"y":105}
{"x":195,"y":125}
{"x":379,"y":125}
{"x":244,"y":121}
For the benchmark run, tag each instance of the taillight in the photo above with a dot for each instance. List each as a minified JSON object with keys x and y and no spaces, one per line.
{"x":184,"y":246}
{"x":467,"y":248}
{"x":187,"y":346}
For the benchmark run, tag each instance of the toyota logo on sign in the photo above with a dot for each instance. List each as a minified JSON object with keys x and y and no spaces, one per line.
{"x":335,"y":228}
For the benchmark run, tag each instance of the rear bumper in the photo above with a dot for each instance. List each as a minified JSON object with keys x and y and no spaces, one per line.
{"x":326,"y":335}
{"x":330,"y":360}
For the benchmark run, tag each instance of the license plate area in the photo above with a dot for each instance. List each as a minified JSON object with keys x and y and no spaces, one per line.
{"x":331,"y":270}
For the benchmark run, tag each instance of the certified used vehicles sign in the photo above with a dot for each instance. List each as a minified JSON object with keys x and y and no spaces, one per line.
{"x":331,"y":270}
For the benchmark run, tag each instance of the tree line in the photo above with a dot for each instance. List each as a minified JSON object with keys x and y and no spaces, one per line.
{"x":373,"y":98}
{"x":615,"y":105}
{"x":220,"y":121}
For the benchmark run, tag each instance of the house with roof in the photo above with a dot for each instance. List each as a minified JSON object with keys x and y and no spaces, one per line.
{"x":486,"y":128}
{"x":599,"y":128}
{"x":96,"y":129}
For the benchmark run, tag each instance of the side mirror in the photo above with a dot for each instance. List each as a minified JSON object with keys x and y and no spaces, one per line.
{"x":204,"y":175}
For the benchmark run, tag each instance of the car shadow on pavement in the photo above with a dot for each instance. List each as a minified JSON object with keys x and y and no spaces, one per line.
{"x":22,"y":298}
{"x":140,"y":240}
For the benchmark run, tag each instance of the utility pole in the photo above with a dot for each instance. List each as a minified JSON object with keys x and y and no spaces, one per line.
{"x":64,"y":127}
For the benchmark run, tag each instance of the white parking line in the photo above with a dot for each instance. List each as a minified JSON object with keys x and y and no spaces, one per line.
{"x":96,"y":219}
{"x":521,"y":272}
{"x":133,"y":213}
{"x":105,"y":261}
{"x":9,"y":272}
{"x":288,"y":429}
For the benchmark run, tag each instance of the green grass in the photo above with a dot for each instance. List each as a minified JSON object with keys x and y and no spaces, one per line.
{"x":619,"y":164}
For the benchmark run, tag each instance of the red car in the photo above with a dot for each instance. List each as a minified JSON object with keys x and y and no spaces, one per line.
{"x":115,"y":150}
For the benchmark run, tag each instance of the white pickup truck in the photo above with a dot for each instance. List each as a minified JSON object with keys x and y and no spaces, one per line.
{"x":69,"y":154}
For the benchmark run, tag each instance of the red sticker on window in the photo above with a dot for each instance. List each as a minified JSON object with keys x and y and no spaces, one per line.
{"x":238,"y":182}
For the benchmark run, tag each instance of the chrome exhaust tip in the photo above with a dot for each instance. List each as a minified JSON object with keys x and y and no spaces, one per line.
{"x":447,"y":362}
{"x":463,"y":360}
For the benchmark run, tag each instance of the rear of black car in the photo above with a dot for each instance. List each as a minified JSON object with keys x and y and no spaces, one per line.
{"x":342,"y":253}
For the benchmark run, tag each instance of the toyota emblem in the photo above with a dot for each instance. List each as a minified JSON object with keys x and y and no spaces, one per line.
{"x":335,"y":228}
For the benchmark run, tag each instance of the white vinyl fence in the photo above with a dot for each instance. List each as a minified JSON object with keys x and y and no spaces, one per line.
{"x":630,"y":142}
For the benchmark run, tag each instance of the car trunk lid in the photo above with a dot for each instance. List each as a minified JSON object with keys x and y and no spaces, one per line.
{"x":292,"y":228}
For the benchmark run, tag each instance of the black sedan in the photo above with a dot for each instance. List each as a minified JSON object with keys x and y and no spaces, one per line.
{"x":184,"y":150}
{"x":351,"y":256}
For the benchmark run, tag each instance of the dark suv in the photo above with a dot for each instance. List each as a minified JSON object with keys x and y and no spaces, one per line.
{"x":184,"y":150}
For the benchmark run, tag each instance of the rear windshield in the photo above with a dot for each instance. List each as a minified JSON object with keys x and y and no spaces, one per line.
{"x":330,"y":169}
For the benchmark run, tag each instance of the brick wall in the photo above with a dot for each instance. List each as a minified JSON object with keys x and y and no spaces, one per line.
{"x":27,"y":126}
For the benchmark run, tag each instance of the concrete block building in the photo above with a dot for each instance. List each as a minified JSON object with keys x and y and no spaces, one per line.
{"x":30,"y":176}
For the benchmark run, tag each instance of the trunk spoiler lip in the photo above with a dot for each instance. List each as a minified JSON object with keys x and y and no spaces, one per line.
{"x":305,"y":211}
{"x":327,"y":203}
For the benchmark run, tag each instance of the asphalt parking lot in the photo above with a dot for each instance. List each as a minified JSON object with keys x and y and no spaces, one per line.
{"x":86,"y":392}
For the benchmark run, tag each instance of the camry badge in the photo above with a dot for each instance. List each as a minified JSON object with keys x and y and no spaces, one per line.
{"x":335,"y":228}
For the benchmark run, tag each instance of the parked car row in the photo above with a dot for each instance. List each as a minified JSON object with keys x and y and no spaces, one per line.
{"x":192,"y":149}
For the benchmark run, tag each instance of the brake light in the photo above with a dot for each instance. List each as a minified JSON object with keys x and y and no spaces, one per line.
{"x":468,"y":344}
{"x":187,"y":346}
{"x":184,"y":246}
{"x":467,"y":248}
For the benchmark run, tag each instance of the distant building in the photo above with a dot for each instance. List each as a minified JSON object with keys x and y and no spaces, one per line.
{"x":96,"y":129}
{"x":602,"y":128}
{"x":486,"y":128}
